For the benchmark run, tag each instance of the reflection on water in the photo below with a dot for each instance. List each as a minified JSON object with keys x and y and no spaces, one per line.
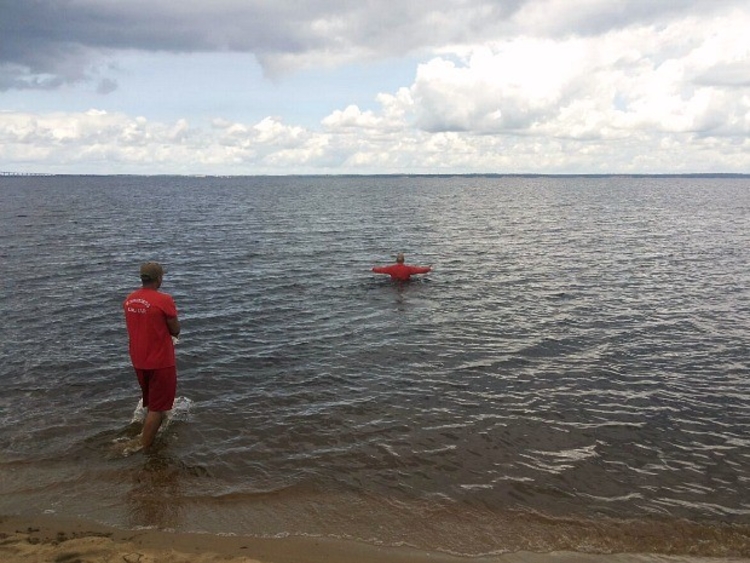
{"x":155,"y":499}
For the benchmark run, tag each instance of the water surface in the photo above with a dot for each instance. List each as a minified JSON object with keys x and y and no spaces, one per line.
{"x":572,"y":375}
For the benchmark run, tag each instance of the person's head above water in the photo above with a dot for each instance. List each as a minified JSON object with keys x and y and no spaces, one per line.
{"x":400,"y":258}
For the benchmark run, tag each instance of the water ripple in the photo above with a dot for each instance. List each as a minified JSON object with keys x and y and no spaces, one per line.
{"x":572,"y":375}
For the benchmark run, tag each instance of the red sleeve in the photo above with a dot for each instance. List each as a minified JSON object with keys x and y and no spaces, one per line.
{"x":419,"y":269}
{"x":168,"y":306}
{"x":382,"y":269}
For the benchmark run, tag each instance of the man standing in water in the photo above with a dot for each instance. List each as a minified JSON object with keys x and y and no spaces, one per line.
{"x":151,"y":318}
{"x":400,"y":271}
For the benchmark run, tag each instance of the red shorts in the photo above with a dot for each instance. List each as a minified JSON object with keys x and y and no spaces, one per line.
{"x":159,"y":387}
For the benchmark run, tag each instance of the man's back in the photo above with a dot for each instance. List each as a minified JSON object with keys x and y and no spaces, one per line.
{"x":146,"y":314}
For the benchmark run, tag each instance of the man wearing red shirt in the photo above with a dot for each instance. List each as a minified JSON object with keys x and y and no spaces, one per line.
{"x":151,"y":318}
{"x":400,"y":271}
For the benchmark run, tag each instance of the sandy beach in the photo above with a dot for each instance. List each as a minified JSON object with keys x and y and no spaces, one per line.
{"x":47,"y":539}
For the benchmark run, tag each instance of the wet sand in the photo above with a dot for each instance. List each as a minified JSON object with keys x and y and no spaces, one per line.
{"x":49,"y":539}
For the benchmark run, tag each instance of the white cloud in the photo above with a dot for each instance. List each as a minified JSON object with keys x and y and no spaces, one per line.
{"x":645,"y":79}
{"x":639,"y":87}
{"x":352,"y":117}
{"x":49,"y":43}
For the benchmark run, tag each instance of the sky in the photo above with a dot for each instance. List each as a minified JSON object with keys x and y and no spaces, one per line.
{"x":245,"y":87}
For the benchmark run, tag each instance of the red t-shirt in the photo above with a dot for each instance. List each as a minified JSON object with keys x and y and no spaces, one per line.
{"x":401,"y":272}
{"x":146,"y":314}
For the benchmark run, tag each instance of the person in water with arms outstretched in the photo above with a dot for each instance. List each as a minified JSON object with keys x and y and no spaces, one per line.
{"x":400,"y":271}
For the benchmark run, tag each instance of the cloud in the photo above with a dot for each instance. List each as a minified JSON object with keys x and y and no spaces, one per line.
{"x":100,"y":142}
{"x":518,"y":86}
{"x":48,"y":43}
{"x":106,"y":86}
{"x":560,"y":18}
{"x":659,"y":80}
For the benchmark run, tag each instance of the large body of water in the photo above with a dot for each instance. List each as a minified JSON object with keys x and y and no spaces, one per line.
{"x":574,"y":373}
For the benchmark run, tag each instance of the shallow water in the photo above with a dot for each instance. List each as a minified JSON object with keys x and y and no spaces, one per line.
{"x":572,"y":375}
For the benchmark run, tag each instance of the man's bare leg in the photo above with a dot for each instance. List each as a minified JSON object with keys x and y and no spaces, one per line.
{"x":151,"y":427}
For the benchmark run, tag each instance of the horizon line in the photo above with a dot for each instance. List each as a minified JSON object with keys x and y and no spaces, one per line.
{"x":11,"y":174}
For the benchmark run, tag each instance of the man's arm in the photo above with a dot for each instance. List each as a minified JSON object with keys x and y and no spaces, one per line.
{"x":419,"y":269}
{"x":173,"y":324}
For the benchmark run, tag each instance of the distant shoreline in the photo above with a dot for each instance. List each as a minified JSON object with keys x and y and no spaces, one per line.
{"x":394,"y":175}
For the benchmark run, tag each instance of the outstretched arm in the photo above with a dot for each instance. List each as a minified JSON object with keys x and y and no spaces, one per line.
{"x":420,"y":269}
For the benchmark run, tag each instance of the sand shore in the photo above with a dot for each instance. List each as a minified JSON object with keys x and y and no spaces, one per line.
{"x":46,"y":539}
